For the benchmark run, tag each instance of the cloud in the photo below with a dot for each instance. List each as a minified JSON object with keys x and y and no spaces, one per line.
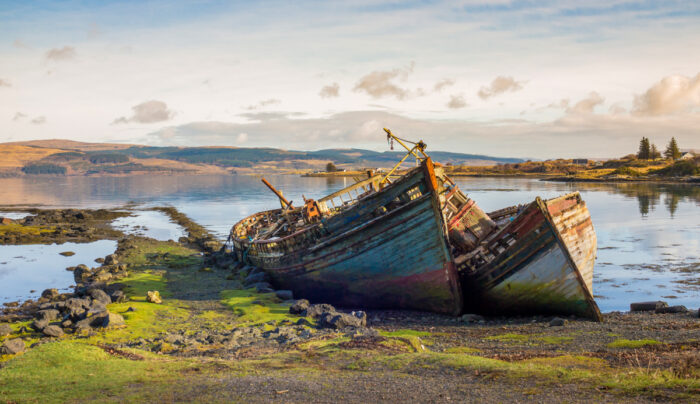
{"x":148,"y":112}
{"x":5,"y":83}
{"x":671,"y":95}
{"x":19,"y":116}
{"x":561,"y":104}
{"x":456,"y":102}
{"x":62,"y":54}
{"x":330,"y":91}
{"x":440,"y":85}
{"x":39,"y":120}
{"x":500,"y":85}
{"x":587,"y":105}
{"x":270,"y":116}
{"x":18,"y":43}
{"x":379,"y":84}
{"x":263,"y":103}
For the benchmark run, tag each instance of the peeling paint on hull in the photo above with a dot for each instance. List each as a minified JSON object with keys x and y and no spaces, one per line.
{"x":399,"y":259}
{"x":537,"y":273}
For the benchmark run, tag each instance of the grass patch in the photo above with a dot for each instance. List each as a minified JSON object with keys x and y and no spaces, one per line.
{"x":536,"y":338}
{"x":632,"y":343}
{"x":462,"y":350}
{"x":71,"y":370}
{"x":16,"y":228}
{"x":256,"y":308}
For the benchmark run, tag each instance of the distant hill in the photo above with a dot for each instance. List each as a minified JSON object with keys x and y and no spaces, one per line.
{"x":68,"y":157}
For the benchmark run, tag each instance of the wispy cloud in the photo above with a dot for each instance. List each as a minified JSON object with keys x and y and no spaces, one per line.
{"x":263,"y":104}
{"x":442,"y":84}
{"x":382,"y":83}
{"x":456,"y":102}
{"x":500,"y":85}
{"x":586,"y":105}
{"x":39,"y":120}
{"x":673,"y":94}
{"x":5,"y":83}
{"x":330,"y":91}
{"x":61,"y":54}
{"x":148,"y":112}
{"x":18,"y":116}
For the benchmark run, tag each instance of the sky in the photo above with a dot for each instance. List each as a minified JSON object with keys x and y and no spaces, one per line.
{"x":531,"y":79}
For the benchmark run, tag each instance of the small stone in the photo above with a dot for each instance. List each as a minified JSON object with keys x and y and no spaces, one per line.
{"x":557,"y":322}
{"x":48,"y":315}
{"x":285,"y":294}
{"x":100,"y":260}
{"x":154,"y":297}
{"x":299,"y":306}
{"x":109,"y":319}
{"x":111,"y":260}
{"x":317,"y":310}
{"x":12,"y":346}
{"x":672,"y":309}
{"x":254,"y":278}
{"x":100,"y":296}
{"x":648,"y":306}
{"x":50,"y":293}
{"x":67,"y":253}
{"x":5,"y":330}
{"x":52,"y":331}
{"x":303,"y":321}
{"x":39,"y":325}
{"x":471,"y":318}
{"x":130,"y":309}
{"x":118,"y":296}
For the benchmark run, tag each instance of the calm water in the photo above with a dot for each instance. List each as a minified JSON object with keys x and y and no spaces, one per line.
{"x":648,"y":235}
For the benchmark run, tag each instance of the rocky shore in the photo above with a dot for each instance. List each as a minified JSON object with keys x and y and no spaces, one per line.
{"x":179,"y":322}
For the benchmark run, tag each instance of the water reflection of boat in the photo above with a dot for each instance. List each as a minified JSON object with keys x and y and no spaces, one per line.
{"x":416,"y":241}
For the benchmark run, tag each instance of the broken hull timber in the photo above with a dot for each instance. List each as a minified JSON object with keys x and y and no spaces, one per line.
{"x":541,"y":262}
{"x":396,"y":259}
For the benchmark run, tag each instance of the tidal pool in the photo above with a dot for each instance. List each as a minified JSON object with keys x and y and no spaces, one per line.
{"x":149,"y":223}
{"x":36,"y":267}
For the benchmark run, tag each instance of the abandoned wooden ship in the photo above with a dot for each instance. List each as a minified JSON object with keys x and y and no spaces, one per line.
{"x":416,"y":241}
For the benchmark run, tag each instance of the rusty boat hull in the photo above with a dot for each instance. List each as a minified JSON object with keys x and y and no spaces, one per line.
{"x":541,"y":261}
{"x":389,"y":250}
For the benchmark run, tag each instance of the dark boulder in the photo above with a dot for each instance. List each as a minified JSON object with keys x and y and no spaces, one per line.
{"x":299,"y":306}
{"x":317,"y":310}
{"x":12,"y":346}
{"x":557,"y":322}
{"x":285,"y":294}
{"x":108,"y":319}
{"x":647,"y":306}
{"x":39,"y":325}
{"x":118,"y":296}
{"x":343,"y":320}
{"x":52,"y":331}
{"x":48,"y":315}
{"x":672,"y":309}
{"x":111,"y":260}
{"x":50,"y":293}
{"x":99,"y":295}
{"x":254,"y":278}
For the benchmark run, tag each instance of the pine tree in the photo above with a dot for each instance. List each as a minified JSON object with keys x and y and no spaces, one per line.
{"x":654,"y":153}
{"x":672,"y":151}
{"x":644,"y":149}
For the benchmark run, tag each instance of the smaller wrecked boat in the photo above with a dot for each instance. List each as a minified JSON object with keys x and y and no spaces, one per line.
{"x":416,"y":241}
{"x":539,"y":261}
